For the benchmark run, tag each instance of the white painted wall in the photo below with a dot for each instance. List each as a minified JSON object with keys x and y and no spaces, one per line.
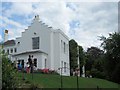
{"x":50,"y":43}
{"x":59,"y":55}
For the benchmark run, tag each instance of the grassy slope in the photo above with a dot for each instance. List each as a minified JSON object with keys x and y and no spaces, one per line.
{"x":53,"y":81}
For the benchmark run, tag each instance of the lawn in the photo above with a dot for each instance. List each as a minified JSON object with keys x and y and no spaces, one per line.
{"x":54,"y":81}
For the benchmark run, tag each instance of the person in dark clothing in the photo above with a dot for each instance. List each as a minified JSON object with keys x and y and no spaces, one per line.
{"x":30,"y":61}
{"x":32,"y":64}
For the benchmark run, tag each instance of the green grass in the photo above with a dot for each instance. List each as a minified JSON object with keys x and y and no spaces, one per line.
{"x":54,"y":81}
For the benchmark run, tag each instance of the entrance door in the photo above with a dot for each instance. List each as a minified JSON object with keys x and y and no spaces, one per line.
{"x":21,"y":62}
{"x":35,"y":62}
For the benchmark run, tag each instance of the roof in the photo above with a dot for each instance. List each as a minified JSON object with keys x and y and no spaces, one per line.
{"x":32,"y":51}
{"x":9,"y":42}
{"x":61,"y":32}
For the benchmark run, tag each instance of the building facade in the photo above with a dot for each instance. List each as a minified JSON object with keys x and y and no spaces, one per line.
{"x":49,"y":47}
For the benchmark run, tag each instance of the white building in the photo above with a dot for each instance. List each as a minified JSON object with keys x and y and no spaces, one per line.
{"x":49,"y":47}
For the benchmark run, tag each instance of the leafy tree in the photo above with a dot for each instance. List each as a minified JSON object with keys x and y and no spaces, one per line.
{"x":111,"y":46}
{"x":81,"y":58}
{"x":116,"y":74}
{"x":9,"y":79}
{"x":73,"y":49}
{"x":95,"y":62}
{"x":73,"y":54}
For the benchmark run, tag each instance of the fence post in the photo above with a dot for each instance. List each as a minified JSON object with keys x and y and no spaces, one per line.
{"x":97,"y":88}
{"x":61,"y":80}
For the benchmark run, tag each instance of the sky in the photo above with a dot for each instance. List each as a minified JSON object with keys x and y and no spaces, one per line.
{"x":82,"y":21}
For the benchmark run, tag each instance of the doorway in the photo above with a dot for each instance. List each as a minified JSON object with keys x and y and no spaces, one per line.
{"x":21,"y":62}
{"x":35,"y":62}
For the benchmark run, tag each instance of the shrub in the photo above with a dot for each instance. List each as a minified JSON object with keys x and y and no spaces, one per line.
{"x":45,"y":71}
{"x":9,"y":79}
{"x":97,"y":74}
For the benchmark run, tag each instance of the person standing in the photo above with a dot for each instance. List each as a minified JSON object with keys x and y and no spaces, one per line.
{"x":32,"y":64}
{"x":27,"y":67}
{"x":19,"y":66}
{"x":29,"y":60}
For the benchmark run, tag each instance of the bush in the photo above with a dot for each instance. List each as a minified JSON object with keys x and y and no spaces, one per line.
{"x":116,"y":73}
{"x":9,"y":79}
{"x":45,"y":71}
{"x":88,"y":73}
{"x":97,"y":74}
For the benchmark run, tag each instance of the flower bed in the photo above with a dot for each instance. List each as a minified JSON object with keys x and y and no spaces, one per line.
{"x":45,"y":71}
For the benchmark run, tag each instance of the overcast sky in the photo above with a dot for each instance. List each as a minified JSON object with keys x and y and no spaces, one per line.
{"x":82,"y":21}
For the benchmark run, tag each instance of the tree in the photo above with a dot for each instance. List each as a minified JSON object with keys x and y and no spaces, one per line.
{"x":9,"y":78}
{"x":81,"y":58}
{"x":73,"y":54}
{"x":73,"y":49}
{"x":111,"y":47}
{"x":95,"y":62}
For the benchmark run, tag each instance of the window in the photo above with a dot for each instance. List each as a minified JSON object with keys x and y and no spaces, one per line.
{"x":61,"y":63}
{"x":35,"y":43}
{"x":15,"y":49}
{"x":65,"y":67}
{"x":34,"y":33}
{"x":45,"y":63}
{"x":7,"y":51}
{"x":64,"y":47}
{"x":67,"y":48}
{"x":18,"y":42}
{"x":11,"y":50}
{"x":22,"y":63}
{"x":61,"y":46}
{"x":35,"y":62}
{"x":61,"y":43}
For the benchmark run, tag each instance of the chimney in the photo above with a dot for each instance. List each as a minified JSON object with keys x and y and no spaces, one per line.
{"x":36,"y":19}
{"x":5,"y":35}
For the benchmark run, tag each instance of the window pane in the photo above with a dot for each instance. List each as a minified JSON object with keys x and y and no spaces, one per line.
{"x":35,"y":43}
{"x":65,"y":67}
{"x":35,"y":62}
{"x":7,"y":51}
{"x":11,"y":50}
{"x":15,"y":49}
{"x":64,"y":47}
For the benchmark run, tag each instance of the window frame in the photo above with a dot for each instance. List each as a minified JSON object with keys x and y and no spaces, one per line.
{"x":35,"y":42}
{"x":11,"y":50}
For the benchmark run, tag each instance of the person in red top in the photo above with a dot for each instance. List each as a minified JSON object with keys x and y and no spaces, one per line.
{"x":27,"y":67}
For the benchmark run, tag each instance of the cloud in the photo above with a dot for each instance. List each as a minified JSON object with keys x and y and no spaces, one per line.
{"x":1,"y":38}
{"x":60,"y":0}
{"x":18,"y":9}
{"x":95,"y":20}
{"x":14,"y":27}
{"x":9,"y":21}
{"x":56,"y":15}
{"x":82,"y":21}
